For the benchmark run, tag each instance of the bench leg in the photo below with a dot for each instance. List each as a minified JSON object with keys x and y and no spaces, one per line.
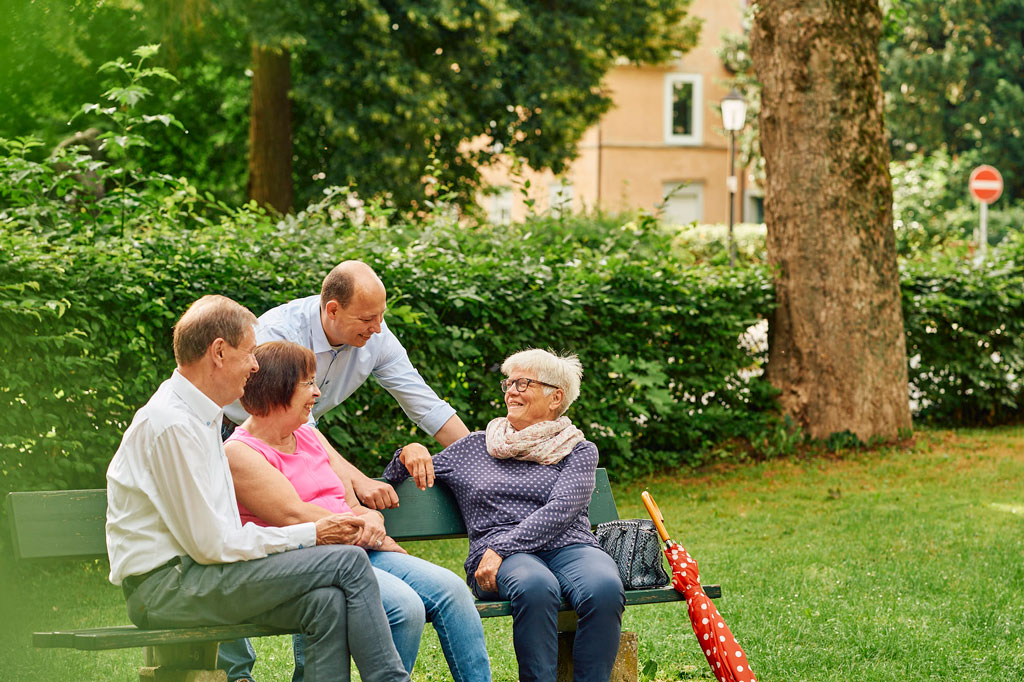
{"x":627,"y":660}
{"x":181,"y":663}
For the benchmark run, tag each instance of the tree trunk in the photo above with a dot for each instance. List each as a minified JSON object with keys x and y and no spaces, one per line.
{"x":270,"y":129}
{"x":836,"y":346}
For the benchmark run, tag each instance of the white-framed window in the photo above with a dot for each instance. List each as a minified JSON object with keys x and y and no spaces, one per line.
{"x":682,"y":203}
{"x":499,"y":206}
{"x":560,"y":197}
{"x":684,"y":106}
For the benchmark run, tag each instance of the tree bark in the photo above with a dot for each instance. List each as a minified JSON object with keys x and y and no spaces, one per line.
{"x":270,"y":129}
{"x":837,"y":349}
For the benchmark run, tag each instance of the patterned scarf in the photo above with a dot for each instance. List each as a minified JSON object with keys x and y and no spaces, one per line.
{"x":545,"y":442}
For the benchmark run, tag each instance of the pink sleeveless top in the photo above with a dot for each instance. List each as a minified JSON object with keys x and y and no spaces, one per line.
{"x":308,"y":469}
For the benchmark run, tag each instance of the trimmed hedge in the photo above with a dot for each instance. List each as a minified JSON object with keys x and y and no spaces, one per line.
{"x":88,"y":303}
{"x":965,"y":336}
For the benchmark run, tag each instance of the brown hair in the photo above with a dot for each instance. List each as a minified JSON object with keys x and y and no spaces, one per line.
{"x":206,"y":320}
{"x":283,"y":365}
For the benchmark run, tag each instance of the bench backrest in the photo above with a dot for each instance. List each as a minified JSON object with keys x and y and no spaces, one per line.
{"x":70,"y":523}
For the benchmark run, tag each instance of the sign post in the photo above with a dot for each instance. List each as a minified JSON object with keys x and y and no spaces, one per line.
{"x":986,"y":185}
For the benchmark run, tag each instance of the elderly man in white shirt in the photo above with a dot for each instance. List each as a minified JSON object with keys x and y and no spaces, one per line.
{"x":176,"y":544}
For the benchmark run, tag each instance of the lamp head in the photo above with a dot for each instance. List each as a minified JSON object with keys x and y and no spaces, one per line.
{"x":734,"y":111}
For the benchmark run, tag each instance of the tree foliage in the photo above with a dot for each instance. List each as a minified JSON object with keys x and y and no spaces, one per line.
{"x":381,"y":89}
{"x":954,"y":81}
{"x":49,"y":53}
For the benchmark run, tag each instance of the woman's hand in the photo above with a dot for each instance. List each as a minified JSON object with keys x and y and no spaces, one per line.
{"x":390,"y":545}
{"x":419,"y":464}
{"x":373,"y":533}
{"x":487,"y":571}
{"x":338,"y":529}
{"x":374,"y":494}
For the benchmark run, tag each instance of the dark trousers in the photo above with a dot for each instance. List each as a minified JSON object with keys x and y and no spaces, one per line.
{"x":535,"y":584}
{"x":328,"y":593}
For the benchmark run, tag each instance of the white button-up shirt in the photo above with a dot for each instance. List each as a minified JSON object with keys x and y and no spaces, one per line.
{"x":340,"y":370}
{"x":170,"y":493}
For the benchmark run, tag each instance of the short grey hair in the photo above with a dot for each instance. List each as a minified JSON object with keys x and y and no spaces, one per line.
{"x":206,"y":320}
{"x":564,"y":371}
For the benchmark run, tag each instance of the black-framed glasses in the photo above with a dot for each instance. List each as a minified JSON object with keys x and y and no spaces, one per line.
{"x":522,"y":384}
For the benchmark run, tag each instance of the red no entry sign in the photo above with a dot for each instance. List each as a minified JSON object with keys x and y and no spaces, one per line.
{"x":986,"y":184}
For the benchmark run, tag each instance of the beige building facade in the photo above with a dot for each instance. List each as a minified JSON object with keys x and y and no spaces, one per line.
{"x":661,"y":147}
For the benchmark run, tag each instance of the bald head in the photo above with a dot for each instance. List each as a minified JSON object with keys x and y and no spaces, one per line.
{"x":347,"y":279}
{"x":352,"y":304}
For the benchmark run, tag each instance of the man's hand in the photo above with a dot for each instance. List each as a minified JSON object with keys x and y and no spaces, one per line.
{"x":373,"y":533}
{"x":419,"y":464}
{"x":338,"y":529}
{"x":374,"y":494}
{"x":487,"y":571}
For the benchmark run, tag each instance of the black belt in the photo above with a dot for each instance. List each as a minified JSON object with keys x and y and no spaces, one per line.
{"x":130,"y":583}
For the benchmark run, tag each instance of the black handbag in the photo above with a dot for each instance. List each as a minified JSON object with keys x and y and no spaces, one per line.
{"x":636,"y":548}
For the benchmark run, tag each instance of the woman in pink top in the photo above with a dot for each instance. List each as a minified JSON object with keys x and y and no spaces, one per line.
{"x":283,"y":474}
{"x":308,"y":470}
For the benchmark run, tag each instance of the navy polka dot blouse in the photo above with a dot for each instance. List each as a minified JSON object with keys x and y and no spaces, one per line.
{"x":513,"y":506}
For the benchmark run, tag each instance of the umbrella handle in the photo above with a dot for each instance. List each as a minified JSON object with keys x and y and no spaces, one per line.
{"x":656,"y":516}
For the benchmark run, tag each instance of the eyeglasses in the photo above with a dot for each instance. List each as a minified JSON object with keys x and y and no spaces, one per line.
{"x":307,"y":384}
{"x":522,"y":384}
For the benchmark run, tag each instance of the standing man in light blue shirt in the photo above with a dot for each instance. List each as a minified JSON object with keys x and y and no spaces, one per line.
{"x":344,"y":327}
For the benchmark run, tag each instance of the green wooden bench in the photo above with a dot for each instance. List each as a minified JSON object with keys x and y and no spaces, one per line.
{"x":70,"y":525}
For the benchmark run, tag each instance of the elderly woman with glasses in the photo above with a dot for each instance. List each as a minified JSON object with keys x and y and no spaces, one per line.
{"x":523,"y":487}
{"x":283,"y":475}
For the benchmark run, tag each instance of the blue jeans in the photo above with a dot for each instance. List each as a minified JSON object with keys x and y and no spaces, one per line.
{"x":412,"y":591}
{"x":535,"y":583}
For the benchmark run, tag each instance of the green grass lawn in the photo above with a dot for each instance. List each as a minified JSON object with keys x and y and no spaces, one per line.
{"x":898,"y":565}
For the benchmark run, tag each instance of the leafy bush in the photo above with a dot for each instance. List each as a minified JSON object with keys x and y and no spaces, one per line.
{"x":91,"y":284}
{"x":658,"y":341}
{"x":710,"y":243}
{"x":932,"y":207}
{"x":965,"y":336}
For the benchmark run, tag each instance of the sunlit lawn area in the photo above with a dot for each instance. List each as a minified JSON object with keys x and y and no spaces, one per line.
{"x":899,"y":565}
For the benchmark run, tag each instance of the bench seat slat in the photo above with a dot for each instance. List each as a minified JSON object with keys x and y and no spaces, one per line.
{"x":658,"y":595}
{"x":129,"y":636}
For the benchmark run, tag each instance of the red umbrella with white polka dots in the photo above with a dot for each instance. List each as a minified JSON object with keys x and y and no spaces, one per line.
{"x":724,"y":654}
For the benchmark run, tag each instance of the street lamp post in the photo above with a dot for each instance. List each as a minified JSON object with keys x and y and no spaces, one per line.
{"x":734,"y":113}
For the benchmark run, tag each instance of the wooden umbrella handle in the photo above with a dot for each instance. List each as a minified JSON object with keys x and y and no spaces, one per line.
{"x":652,"y":509}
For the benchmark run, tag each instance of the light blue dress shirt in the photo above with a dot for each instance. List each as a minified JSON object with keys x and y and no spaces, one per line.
{"x":340,"y":370}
